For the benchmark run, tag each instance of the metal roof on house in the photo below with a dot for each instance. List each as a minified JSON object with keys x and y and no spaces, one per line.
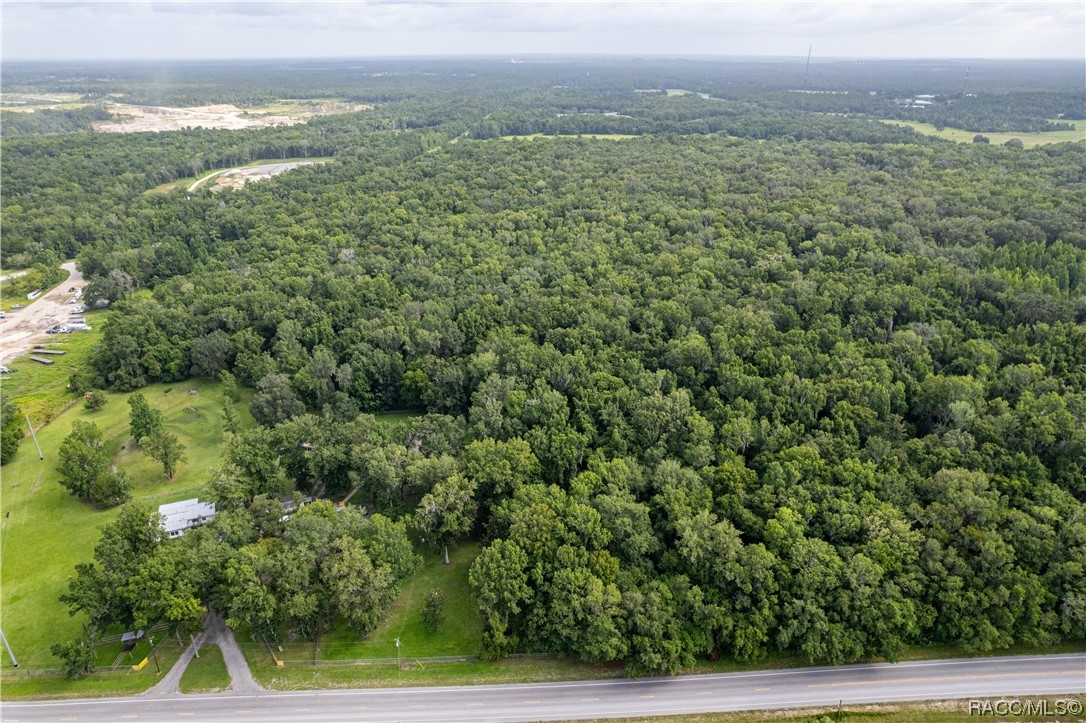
{"x":178,"y":516}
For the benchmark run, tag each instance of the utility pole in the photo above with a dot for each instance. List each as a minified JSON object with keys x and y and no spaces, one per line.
{"x":154,"y":654}
{"x":40,"y":455}
{"x":398,"y":664}
{"x":14,"y":662}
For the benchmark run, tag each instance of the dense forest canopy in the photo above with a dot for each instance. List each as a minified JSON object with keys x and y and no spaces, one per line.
{"x":758,"y":378}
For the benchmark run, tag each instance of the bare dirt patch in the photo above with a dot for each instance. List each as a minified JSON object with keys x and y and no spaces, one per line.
{"x":20,"y":330}
{"x":238,"y":177}
{"x":141,"y":118}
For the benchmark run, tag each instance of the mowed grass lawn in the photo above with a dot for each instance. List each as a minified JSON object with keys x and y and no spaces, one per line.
{"x":206,"y":674}
{"x":41,"y":391}
{"x":45,"y":532}
{"x":459,"y":635}
{"x":1029,"y":140}
{"x":20,"y":684}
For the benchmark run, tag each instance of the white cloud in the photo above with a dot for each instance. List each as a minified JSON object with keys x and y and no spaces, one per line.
{"x":249,"y":28}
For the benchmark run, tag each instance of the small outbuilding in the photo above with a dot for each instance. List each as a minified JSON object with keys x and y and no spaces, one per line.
{"x":131,"y":638}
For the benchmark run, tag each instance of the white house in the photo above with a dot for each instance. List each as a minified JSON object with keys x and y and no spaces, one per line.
{"x":180,"y":516}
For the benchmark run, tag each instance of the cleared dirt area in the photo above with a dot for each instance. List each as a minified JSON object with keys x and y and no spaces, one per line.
{"x":142,"y":118}
{"x":238,"y":177}
{"x":24,"y":328}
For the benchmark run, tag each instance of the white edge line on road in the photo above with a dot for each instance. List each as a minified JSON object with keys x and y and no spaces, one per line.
{"x":513,"y":687}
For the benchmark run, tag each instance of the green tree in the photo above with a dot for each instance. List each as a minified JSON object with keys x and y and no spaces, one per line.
{"x":499,"y":577}
{"x":230,"y":390}
{"x":361,"y":592}
{"x":446,"y":512}
{"x":164,"y":446}
{"x":210,"y":354}
{"x":275,"y":401}
{"x":145,"y":419}
{"x":11,"y":429}
{"x":433,"y":610}
{"x":112,"y":487}
{"x":230,"y":418}
{"x":94,"y":400}
{"x":82,"y":458}
{"x":76,"y":656}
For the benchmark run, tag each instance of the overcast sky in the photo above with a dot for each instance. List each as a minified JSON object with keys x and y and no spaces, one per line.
{"x":223,"y":29}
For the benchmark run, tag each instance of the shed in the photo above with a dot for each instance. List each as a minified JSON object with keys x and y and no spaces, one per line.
{"x":131,"y":638}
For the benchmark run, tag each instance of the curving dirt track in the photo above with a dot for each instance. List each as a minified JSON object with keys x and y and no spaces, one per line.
{"x":23,"y":328}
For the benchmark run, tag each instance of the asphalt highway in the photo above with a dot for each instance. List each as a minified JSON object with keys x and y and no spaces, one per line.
{"x":796,"y":688}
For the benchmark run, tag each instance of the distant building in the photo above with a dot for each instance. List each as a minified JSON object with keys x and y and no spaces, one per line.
{"x":290,"y":506}
{"x":180,"y":516}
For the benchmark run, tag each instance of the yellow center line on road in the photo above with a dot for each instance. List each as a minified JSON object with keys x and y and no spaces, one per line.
{"x":705,"y":692}
{"x":943,"y":679}
{"x":646,"y":696}
{"x":589,"y":699}
{"x":416,"y":706}
{"x":760,"y":690}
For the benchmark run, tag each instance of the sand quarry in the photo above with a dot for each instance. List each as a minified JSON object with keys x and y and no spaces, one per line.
{"x":140,"y":118}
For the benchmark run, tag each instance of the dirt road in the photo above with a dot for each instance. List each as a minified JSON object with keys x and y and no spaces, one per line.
{"x":23,"y":328}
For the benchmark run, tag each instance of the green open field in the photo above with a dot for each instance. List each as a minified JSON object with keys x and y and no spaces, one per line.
{"x":1029,"y":140}
{"x":45,"y":531}
{"x":184,"y":183}
{"x":26,"y":684}
{"x":206,"y":674}
{"x":41,"y":391}
{"x":460,"y":635}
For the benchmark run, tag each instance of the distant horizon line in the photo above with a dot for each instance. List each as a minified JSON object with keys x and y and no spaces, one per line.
{"x":511,"y":58}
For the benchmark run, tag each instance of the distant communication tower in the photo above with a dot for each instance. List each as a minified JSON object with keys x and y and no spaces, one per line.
{"x":806,"y":75}
{"x":966,"y":83}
